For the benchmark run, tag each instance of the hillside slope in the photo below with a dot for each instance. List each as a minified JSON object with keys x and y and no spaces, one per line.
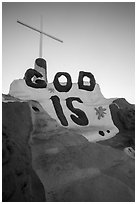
{"x":43,"y":161}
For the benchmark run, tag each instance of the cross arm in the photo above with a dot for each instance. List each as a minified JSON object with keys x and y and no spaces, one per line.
{"x":37,"y":30}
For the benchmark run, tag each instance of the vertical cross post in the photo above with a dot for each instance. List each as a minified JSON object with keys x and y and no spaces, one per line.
{"x":40,"y":64}
{"x":41,"y":37}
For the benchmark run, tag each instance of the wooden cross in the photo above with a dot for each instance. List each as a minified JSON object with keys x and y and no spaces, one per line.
{"x":41,"y":34}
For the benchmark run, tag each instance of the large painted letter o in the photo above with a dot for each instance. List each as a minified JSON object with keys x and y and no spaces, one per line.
{"x":81,"y":83}
{"x":60,"y":87}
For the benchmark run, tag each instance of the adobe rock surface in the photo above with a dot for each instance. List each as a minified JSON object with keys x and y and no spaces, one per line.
{"x":44,"y":161}
{"x":19,"y":181}
{"x":73,"y":169}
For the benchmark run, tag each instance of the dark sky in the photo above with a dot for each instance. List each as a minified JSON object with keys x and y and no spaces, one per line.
{"x":98,"y":38}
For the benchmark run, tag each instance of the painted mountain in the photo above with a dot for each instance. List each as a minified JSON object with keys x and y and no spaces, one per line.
{"x":65,"y":142}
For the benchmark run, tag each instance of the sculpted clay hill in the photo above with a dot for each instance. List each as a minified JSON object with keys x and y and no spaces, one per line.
{"x":66,"y":142}
{"x":45,"y":162}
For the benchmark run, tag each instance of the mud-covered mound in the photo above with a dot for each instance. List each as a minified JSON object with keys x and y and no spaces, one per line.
{"x":123,"y":116}
{"x":19,"y":181}
{"x":42,"y":159}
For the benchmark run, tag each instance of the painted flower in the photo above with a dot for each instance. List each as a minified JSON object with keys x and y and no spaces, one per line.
{"x":100,"y":111}
{"x":51,"y":90}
